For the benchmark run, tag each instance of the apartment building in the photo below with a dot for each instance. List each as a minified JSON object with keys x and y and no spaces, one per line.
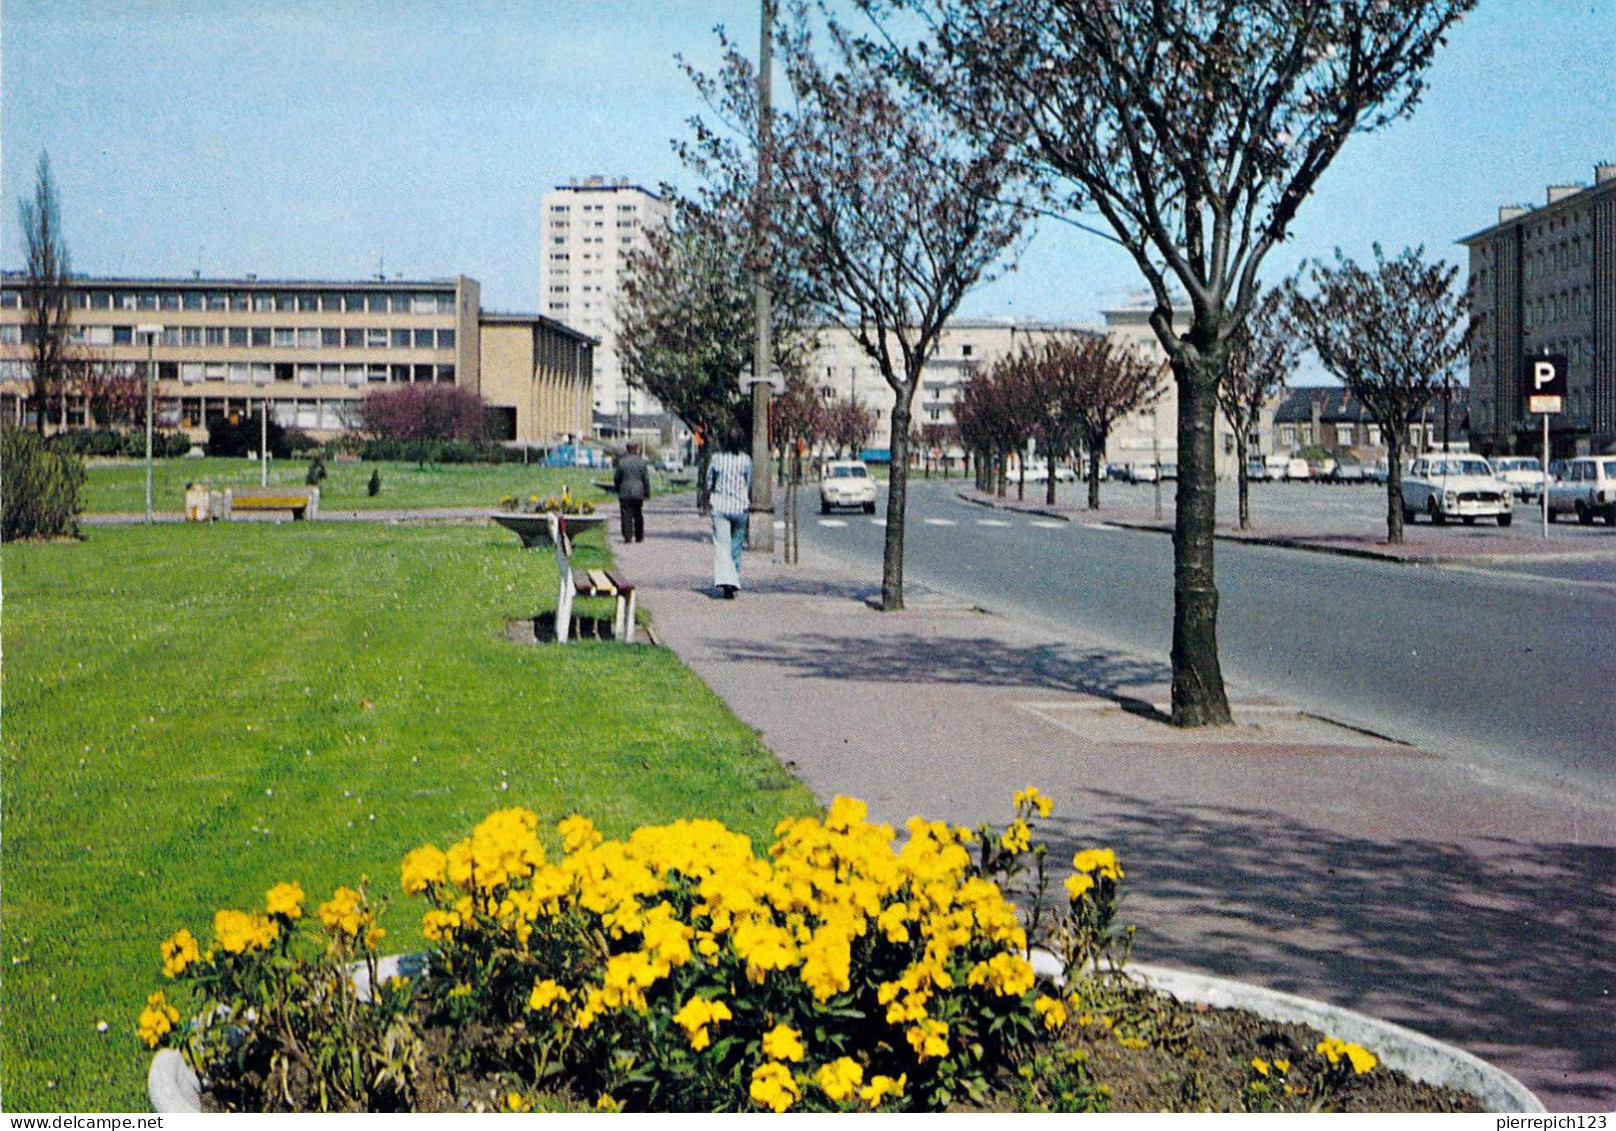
{"x":1543,"y":280}
{"x":311,"y":350}
{"x":587,"y":230}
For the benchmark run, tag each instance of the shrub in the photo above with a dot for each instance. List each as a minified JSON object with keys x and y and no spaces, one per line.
{"x":241,"y":437}
{"x":428,"y":412}
{"x":374,"y":487}
{"x":39,"y":488}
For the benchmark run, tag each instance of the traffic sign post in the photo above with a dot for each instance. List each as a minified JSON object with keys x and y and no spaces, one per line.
{"x":1545,"y":379}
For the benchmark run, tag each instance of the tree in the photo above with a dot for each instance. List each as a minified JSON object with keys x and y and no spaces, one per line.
{"x":848,"y":428}
{"x":994,"y":421}
{"x":114,"y":392}
{"x":1394,"y":336}
{"x":424,"y":412}
{"x":46,"y":288}
{"x":879,"y":211}
{"x":1194,"y":129}
{"x":1261,"y":355}
{"x":1101,"y":381}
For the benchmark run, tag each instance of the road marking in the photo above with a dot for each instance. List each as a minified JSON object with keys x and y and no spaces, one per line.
{"x":1047,"y":524}
{"x":878,"y":522}
{"x":940,"y":522}
{"x":833,"y":522}
{"x":991,"y":522}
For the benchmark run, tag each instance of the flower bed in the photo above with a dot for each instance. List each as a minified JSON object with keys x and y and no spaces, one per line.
{"x":677,"y":969}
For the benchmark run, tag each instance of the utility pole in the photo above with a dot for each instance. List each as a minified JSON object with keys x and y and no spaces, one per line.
{"x":760,"y":530}
{"x":152,"y":333}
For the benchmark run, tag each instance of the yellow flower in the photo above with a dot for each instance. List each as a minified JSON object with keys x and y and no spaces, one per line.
{"x":929,"y":1038}
{"x":577,"y":833}
{"x":783,"y":1043}
{"x":698,"y":1013}
{"x":1018,"y":837}
{"x":1051,"y":1010}
{"x":1078,"y":886}
{"x":515,"y":1101}
{"x":773,"y":1087}
{"x":1284,"y":1066}
{"x":880,"y":1087}
{"x":1008,"y":975}
{"x":439,"y":926}
{"x":547,"y":994}
{"x":239,"y":931}
{"x":1098,"y":861}
{"x":1031,"y":796}
{"x":179,"y":952}
{"x":157,"y":1020}
{"x":345,"y":912}
{"x":285,"y":900}
{"x":1260,"y":1065}
{"x":1361,"y":1059}
{"x":425,"y":865}
{"x":840,"y":1079}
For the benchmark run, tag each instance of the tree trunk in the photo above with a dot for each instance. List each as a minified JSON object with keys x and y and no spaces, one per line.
{"x":1198,"y":695}
{"x":897,"y":498}
{"x":1049,"y":483}
{"x":1245,"y":484}
{"x":1394,"y":487}
{"x":1096,"y":456}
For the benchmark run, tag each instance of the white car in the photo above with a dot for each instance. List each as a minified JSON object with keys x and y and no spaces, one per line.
{"x":1038,"y":472}
{"x":1524,"y":474}
{"x":1462,"y":487}
{"x":1585,"y":487}
{"x":846,"y":483}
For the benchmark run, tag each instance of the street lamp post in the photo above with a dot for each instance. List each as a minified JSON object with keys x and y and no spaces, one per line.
{"x":152,"y":332}
{"x":760,"y":530}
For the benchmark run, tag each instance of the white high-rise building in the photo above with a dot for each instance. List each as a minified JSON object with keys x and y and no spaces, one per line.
{"x":587,"y":230}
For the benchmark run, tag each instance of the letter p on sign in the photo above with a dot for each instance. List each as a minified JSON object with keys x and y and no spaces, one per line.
{"x":1545,"y":384}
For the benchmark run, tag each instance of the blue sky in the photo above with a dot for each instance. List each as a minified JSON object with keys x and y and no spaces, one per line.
{"x":321,"y":140}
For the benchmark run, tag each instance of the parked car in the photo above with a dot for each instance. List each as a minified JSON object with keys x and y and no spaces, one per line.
{"x":1257,"y":470}
{"x":1142,"y":473}
{"x":1585,"y":487}
{"x":1117,"y":472}
{"x":1038,"y":472}
{"x":1347,"y":471}
{"x":1524,"y":474}
{"x":1169,"y":471}
{"x":1464,"y":487}
{"x":846,"y":483}
{"x":1297,"y":469}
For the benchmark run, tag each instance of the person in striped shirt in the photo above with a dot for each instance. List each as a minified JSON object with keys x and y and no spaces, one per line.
{"x":729,"y":489}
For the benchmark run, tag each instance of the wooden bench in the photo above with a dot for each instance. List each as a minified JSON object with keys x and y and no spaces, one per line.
{"x":302,"y":502}
{"x":589,"y":583}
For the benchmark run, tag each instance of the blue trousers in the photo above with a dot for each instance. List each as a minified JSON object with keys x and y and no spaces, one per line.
{"x":729,"y":539}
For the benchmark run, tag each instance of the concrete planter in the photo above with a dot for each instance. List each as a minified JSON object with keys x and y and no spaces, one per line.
{"x":1414,"y":1054}
{"x":534,"y":529}
{"x":174,"y":1088}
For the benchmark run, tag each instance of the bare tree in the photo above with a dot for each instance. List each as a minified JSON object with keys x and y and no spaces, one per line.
{"x":994,"y":421}
{"x":1394,"y":336}
{"x":685,"y":319}
{"x":112,"y":392}
{"x":1102,"y":381}
{"x":881,"y":211}
{"x":1261,"y":355}
{"x":1194,"y":129}
{"x":848,"y":427}
{"x":46,"y":288}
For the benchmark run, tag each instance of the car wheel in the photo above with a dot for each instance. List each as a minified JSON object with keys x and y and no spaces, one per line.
{"x":1437,"y":517}
{"x":1505,"y":519}
{"x":1584,"y":515}
{"x":869,"y":508}
{"x":1610,"y":517}
{"x":1408,"y":515}
{"x":824,"y":508}
{"x":1470,"y":520}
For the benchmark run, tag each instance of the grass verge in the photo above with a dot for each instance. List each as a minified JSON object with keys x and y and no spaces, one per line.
{"x":195,"y":713}
{"x":119,"y":486}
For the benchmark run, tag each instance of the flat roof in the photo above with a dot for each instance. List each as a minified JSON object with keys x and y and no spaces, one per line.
{"x":498,"y":318}
{"x":199,"y":283}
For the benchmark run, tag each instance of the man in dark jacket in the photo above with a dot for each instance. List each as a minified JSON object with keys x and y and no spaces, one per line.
{"x":633,"y":482}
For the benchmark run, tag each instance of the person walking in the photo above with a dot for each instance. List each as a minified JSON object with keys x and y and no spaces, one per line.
{"x":632,"y":480}
{"x":729,"y":490}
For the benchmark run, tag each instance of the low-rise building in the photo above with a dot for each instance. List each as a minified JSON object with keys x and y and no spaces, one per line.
{"x":309,"y":350}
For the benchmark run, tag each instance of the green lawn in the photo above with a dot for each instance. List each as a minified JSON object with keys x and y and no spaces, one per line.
{"x":194,"y":713}
{"x":119,"y":487}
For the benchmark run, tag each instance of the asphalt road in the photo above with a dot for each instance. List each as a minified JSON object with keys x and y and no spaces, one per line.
{"x":1509,"y":668}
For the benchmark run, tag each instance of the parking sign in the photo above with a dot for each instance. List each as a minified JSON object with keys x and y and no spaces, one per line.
{"x":1545,"y":380}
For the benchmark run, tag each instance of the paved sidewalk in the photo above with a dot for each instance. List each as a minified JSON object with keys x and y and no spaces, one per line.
{"x":1288,"y":851}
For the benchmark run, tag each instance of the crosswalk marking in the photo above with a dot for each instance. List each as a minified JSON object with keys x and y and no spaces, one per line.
{"x":833,"y":522}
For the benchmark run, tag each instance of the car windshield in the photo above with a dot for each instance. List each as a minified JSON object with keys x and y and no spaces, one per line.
{"x":1610,"y":467}
{"x":849,"y":472}
{"x":1460,"y":467}
{"x":1519,"y":463}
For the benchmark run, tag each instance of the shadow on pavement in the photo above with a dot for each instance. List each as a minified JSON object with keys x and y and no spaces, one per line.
{"x":1434,"y":936}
